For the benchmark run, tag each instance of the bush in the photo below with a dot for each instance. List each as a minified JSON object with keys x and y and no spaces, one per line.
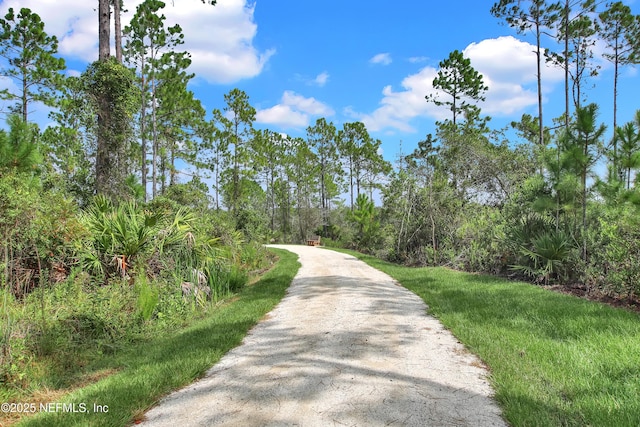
{"x":614,"y":258}
{"x":480,"y":241}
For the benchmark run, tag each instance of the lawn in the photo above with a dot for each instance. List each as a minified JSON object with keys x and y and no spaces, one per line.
{"x":555,"y":359}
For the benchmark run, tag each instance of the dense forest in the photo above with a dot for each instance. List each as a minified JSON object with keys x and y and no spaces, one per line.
{"x":104,"y":240}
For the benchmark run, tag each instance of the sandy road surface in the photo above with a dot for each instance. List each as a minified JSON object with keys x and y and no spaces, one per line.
{"x":345,"y":347}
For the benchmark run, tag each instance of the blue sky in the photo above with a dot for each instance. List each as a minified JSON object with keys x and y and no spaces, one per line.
{"x":346,"y":60}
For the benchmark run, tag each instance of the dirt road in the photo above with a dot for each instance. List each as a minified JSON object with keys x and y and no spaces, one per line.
{"x":347,"y":346}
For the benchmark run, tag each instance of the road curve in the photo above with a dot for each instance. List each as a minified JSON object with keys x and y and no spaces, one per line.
{"x":347,"y":346}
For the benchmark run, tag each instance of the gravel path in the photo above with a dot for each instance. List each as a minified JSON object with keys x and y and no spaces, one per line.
{"x":347,"y":346}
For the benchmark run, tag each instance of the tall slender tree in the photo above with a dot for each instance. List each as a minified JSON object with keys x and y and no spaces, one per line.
{"x":180,"y":116}
{"x":629,"y":156}
{"x":618,"y":28}
{"x":30,"y":60}
{"x":459,"y":80}
{"x":322,"y":140}
{"x":572,"y":10}
{"x":215,"y":143}
{"x":269,"y":154}
{"x":584,"y":146}
{"x":104,"y":52}
{"x":117,"y":28}
{"x":149,"y":47}
{"x":539,"y":17}
{"x":241,"y":116}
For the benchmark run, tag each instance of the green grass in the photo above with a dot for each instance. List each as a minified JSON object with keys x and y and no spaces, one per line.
{"x":156,"y":367}
{"x":555,"y":360}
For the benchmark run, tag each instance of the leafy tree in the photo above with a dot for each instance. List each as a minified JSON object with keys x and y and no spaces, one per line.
{"x":375,"y":168}
{"x":104,"y":18}
{"x":421,"y":209}
{"x":31,"y":63}
{"x":527,"y":128}
{"x":539,"y":17}
{"x":459,"y":80}
{"x":482,"y":166}
{"x":360,"y":157}
{"x":193,"y":194}
{"x":305,"y":186}
{"x":269,"y":149}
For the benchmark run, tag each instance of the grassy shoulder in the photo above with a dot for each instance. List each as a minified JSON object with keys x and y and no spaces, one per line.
{"x":555,"y":359}
{"x":154,"y":368}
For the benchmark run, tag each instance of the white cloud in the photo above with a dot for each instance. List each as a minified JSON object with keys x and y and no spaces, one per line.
{"x":219,"y":38}
{"x":397,"y":109}
{"x":418,"y":59}
{"x":508,"y":68}
{"x":282,"y":115}
{"x":381,"y":58}
{"x":293,"y":111}
{"x":306,"y":105}
{"x":321,"y":79}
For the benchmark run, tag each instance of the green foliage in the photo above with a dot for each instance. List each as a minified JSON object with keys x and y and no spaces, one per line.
{"x":627,"y":159}
{"x":238,"y":180}
{"x":144,"y":371}
{"x":111,"y":89}
{"x":31,"y":63}
{"x":459,"y":80}
{"x":148,"y":296}
{"x":119,"y":234}
{"x":480,"y":240}
{"x":547,"y":254}
{"x":19,"y":151}
{"x":38,"y":229}
{"x":192,"y":194}
{"x":615,"y":248}
{"x":363,"y":215}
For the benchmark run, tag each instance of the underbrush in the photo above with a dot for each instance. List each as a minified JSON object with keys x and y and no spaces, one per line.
{"x":112,"y":276}
{"x":129,"y":380}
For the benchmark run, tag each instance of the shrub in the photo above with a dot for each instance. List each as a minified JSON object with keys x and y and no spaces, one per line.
{"x":613,"y":266}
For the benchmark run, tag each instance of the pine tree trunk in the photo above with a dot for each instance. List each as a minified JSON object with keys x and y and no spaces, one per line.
{"x":566,"y":65}
{"x":538,"y":56}
{"x":117,"y":29}
{"x":103,"y":161}
{"x":103,"y":29}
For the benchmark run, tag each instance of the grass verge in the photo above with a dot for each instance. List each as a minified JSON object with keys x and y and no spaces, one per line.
{"x":555,"y":359}
{"x":156,"y":367}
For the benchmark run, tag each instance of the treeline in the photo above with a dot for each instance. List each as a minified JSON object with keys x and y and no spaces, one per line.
{"x":537,"y":208}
